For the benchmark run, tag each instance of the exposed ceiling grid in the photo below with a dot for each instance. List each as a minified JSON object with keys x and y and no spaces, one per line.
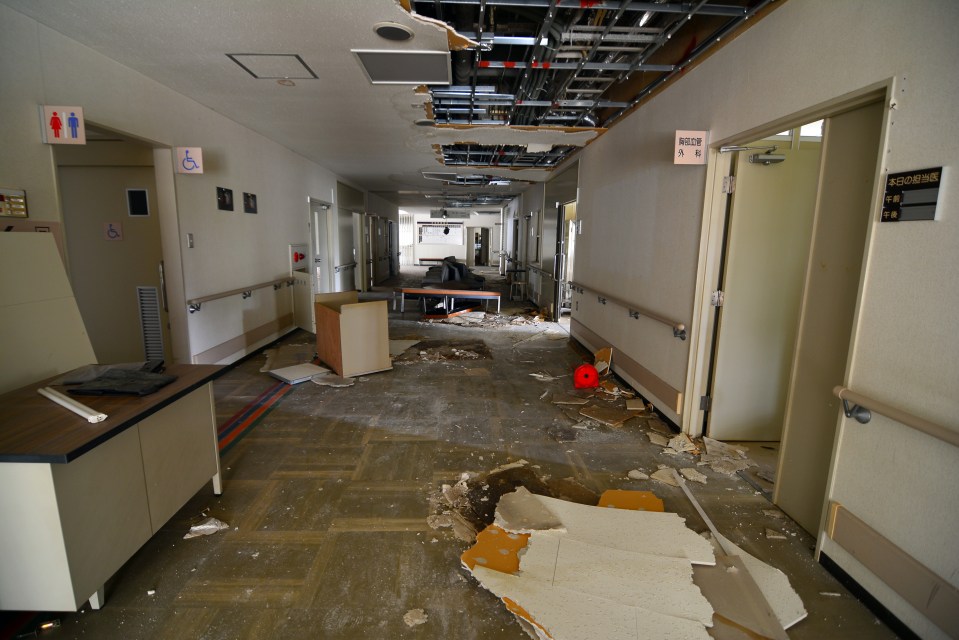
{"x":529,"y":82}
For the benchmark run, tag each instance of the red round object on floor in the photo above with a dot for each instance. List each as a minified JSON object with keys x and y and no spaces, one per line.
{"x":585,"y":377}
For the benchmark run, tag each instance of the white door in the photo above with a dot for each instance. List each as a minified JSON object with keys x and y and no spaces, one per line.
{"x":321,"y":272}
{"x":849,"y":158}
{"x":767,"y":249}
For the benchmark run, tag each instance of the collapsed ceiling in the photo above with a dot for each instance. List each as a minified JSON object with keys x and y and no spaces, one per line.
{"x":563,"y":64}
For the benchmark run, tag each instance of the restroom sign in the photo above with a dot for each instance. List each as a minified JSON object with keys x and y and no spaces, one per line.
{"x":62,"y":125}
{"x":690,"y":147}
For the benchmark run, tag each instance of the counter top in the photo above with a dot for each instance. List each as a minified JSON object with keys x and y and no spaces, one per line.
{"x":35,"y":429}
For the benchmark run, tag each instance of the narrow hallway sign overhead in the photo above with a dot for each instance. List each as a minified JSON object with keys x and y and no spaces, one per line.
{"x":690,"y":147}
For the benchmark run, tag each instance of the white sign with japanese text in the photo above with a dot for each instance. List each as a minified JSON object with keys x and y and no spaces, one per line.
{"x":690,"y":147}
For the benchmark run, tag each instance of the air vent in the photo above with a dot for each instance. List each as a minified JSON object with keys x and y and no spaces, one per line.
{"x":405,"y":67}
{"x":150,"y":323}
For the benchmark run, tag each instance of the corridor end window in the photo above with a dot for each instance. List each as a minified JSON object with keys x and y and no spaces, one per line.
{"x":439,"y":232}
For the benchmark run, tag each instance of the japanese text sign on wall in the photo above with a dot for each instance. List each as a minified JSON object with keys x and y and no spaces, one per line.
{"x":62,"y":125}
{"x":690,"y":147}
{"x":911,"y":195}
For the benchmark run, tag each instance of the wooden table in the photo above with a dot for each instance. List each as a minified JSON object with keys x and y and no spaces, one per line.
{"x":78,"y":499}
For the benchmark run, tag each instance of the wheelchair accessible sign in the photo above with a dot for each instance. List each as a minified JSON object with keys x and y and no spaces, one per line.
{"x":189,"y":160}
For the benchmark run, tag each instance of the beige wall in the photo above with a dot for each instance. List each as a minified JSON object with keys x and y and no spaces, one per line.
{"x":233,"y":250}
{"x":642,"y":220}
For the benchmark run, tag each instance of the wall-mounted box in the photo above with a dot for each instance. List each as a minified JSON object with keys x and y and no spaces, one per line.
{"x":352,"y":337}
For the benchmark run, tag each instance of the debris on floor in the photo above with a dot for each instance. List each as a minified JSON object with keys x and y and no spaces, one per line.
{"x":205,"y":528}
{"x":637,"y":404}
{"x":693,"y":475}
{"x":772,"y":534}
{"x":603,"y":360}
{"x":682,"y":444}
{"x":565,"y":398}
{"x":298,"y":373}
{"x":725,"y":458}
{"x":469,"y":505}
{"x":665,"y":475}
{"x":332,"y":380}
{"x":415,"y":617}
{"x":636,"y":474}
{"x":398,"y":347}
{"x":542,"y":376}
{"x":610,"y":573}
{"x":611,"y":417}
{"x":658,"y":439}
{"x":287,"y":355}
{"x":445,"y":350}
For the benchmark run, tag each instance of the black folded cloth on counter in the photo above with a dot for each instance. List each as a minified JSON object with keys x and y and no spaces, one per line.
{"x":122,"y":382}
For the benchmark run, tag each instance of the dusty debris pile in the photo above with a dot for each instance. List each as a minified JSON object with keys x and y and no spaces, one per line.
{"x":469,"y":505}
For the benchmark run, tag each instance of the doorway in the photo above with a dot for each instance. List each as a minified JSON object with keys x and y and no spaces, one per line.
{"x":321,"y":272}
{"x":793,"y":248}
{"x":112,"y":231}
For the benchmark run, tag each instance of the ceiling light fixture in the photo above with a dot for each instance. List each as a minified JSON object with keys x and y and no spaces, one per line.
{"x":393,"y":31}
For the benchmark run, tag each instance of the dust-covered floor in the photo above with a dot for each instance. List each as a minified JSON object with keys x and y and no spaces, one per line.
{"x":327,"y":500}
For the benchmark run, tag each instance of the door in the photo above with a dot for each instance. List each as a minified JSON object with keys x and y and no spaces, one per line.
{"x":320,"y":274}
{"x":114,"y":252}
{"x":471,"y":233}
{"x":849,"y":159}
{"x":767,"y":249}
{"x":302,"y":288}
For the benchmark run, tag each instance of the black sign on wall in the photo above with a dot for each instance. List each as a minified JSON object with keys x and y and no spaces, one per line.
{"x":911,"y":195}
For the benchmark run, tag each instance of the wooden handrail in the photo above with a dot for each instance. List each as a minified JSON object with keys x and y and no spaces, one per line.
{"x":679,"y":329}
{"x":194,"y":303}
{"x":915,"y":422}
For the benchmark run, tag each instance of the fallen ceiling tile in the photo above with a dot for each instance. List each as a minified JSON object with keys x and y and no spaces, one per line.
{"x":663,"y":534}
{"x":521,"y":512}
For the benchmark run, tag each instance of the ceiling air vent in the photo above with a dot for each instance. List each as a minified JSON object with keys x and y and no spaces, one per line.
{"x":405,"y":67}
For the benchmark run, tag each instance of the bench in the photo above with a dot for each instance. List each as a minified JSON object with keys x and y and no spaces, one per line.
{"x":449,"y":296}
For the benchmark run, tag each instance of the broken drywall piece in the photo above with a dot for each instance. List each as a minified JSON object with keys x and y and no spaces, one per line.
{"x":715,"y":447}
{"x":774,"y":584}
{"x":682,"y":444}
{"x":633,"y":500}
{"x":772,"y":534}
{"x":635,"y":404}
{"x":603,"y":360}
{"x":298,"y":373}
{"x":609,"y":416}
{"x":693,"y":475}
{"x":398,"y":347}
{"x":563,"y":614}
{"x":545,"y":377}
{"x":662,"y":534}
{"x":415,"y":617}
{"x":331,"y":380}
{"x":666,"y":476}
{"x":658,"y":439}
{"x":630,"y":579}
{"x":520,"y":512}
{"x":565,"y":398}
{"x":774,"y":513}
{"x":636,"y":474}
{"x":287,"y":355}
{"x":727,"y":466}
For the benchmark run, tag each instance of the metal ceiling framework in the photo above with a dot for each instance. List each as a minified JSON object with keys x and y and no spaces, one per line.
{"x":566,"y":63}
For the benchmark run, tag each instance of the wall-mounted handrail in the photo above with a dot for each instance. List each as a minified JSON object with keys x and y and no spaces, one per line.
{"x":194,"y":304}
{"x":542,"y":271}
{"x":860,"y":402}
{"x":349,"y":265}
{"x":679,"y":329}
